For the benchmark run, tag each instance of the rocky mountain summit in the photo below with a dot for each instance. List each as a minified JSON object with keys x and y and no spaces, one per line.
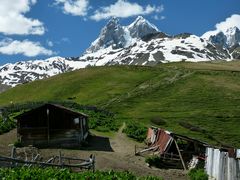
{"x":117,"y":36}
{"x":228,"y":38}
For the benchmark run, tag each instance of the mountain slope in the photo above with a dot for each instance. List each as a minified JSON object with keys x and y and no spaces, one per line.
{"x":159,"y":48}
{"x":12,"y":74}
{"x":200,"y":95}
{"x":140,"y":43}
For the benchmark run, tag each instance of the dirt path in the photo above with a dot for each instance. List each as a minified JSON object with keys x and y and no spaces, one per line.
{"x":121,"y":144}
{"x":123,"y":158}
{"x":115,"y":153}
{"x":6,"y":142}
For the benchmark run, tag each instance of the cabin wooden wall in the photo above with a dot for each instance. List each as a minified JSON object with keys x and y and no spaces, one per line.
{"x":57,"y":127}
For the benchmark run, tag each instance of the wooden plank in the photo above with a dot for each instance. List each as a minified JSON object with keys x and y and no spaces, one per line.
{"x":81,"y":130}
{"x":60,"y":158}
{"x":148,"y":149}
{"x":70,"y":158}
{"x":48,"y":131}
{"x":183,"y":163}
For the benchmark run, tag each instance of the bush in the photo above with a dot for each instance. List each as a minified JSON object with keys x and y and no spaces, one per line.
{"x":136,"y":131}
{"x":153,"y":161}
{"x":6,"y":124}
{"x":18,"y":144}
{"x":197,"y":174}
{"x":101,"y":121}
{"x":53,"y":173}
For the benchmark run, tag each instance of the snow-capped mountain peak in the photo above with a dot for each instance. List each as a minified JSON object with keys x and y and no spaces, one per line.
{"x":226,"y":38}
{"x":141,"y":27}
{"x":233,"y":36}
{"x":232,"y":30}
{"x":113,"y":34}
{"x":117,"y":36}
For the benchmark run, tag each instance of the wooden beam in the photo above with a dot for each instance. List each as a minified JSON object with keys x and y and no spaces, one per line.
{"x":48,"y":134}
{"x":81,"y":127}
{"x":148,"y":149}
{"x":79,"y":134}
{"x":183,"y":163}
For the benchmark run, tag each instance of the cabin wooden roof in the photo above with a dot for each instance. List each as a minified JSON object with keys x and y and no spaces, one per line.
{"x":49,"y":105}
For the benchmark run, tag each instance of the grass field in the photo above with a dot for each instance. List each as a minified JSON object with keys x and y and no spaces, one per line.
{"x":200,"y":100}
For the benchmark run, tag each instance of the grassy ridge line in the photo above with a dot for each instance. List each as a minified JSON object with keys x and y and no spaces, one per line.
{"x":86,"y":86}
{"x":214,"y":65}
{"x":200,"y":100}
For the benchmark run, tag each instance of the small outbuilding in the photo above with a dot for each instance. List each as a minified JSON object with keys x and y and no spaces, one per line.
{"x":175,"y":150}
{"x":52,"y":125}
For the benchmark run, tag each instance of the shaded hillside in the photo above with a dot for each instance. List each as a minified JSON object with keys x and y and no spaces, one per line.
{"x":200,"y":100}
{"x":3,"y":87}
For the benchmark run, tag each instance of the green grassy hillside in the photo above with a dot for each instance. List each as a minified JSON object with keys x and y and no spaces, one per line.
{"x":200,"y":100}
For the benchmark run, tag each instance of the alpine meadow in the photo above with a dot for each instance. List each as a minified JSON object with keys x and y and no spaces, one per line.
{"x":120,"y":89}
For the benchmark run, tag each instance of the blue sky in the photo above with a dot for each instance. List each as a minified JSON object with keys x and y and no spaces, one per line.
{"x":34,"y":29}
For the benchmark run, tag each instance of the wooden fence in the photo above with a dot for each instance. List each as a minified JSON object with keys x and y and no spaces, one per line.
{"x":59,"y":161}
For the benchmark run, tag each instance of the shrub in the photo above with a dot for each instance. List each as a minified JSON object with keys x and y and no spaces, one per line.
{"x":53,"y":173}
{"x":6,"y":125}
{"x":197,"y":174}
{"x":153,"y":161}
{"x":18,"y":144}
{"x":136,"y":131}
{"x":102,"y":121}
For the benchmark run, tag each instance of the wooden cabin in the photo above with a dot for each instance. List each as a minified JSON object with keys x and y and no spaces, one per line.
{"x":52,"y":125}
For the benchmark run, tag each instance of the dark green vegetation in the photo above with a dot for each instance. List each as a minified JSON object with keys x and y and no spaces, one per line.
{"x":160,"y":162}
{"x":197,"y":174}
{"x":7,"y":123}
{"x":154,"y":161}
{"x":136,"y":131}
{"x":51,"y":173}
{"x":99,"y":120}
{"x":200,"y":100}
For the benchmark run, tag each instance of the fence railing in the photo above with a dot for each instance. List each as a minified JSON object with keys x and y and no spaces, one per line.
{"x":59,"y":161}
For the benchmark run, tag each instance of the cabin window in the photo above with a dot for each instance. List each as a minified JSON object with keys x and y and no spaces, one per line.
{"x":238,"y":153}
{"x":76,"y":121}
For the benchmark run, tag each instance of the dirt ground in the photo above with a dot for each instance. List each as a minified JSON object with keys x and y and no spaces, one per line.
{"x":115,"y":152}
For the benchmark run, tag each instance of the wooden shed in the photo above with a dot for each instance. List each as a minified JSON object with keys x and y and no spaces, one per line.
{"x":175,"y":150}
{"x":52,"y":125}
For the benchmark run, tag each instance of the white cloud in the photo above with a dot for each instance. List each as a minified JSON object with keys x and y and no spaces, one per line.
{"x":49,"y":43}
{"x":65,"y":39}
{"x":74,"y":7}
{"x":156,"y":17}
{"x":28,"y":48}
{"x":13,"y":20}
{"x":232,"y":21}
{"x":124,"y":9}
